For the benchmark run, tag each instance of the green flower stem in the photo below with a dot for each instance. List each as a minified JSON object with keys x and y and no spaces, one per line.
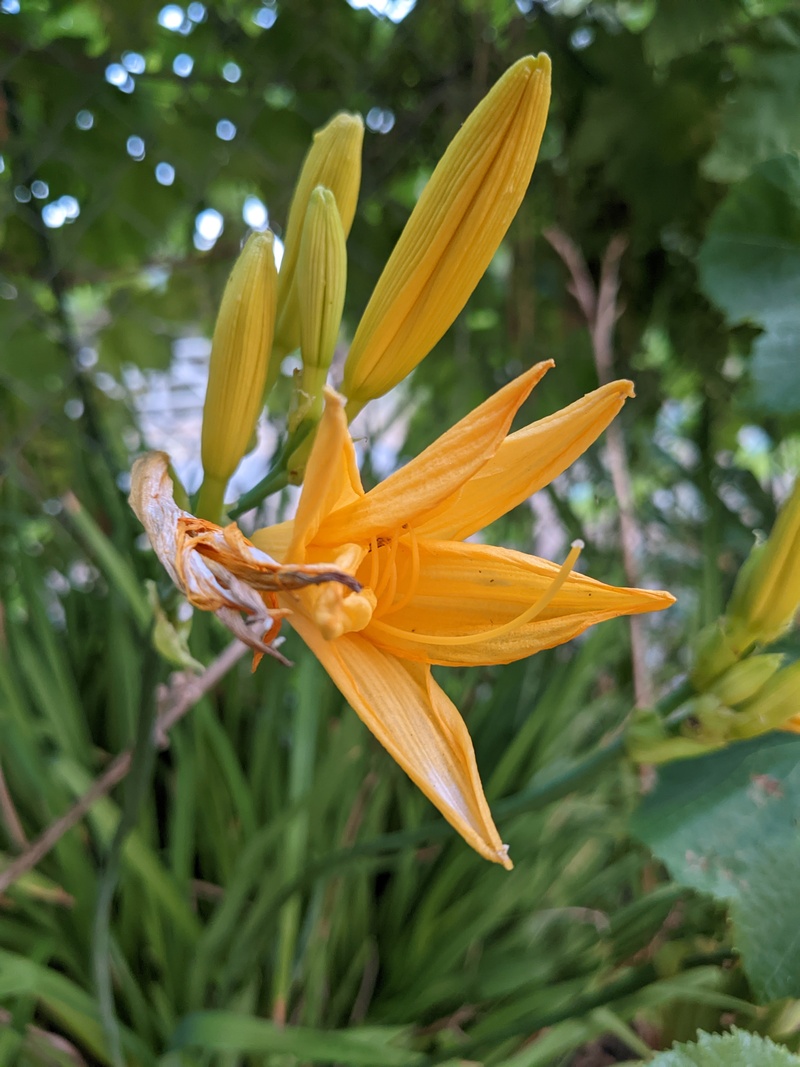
{"x":211,"y":500}
{"x":277,"y":477}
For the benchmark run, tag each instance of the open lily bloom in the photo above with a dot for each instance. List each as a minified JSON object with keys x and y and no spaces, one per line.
{"x":425,"y":596}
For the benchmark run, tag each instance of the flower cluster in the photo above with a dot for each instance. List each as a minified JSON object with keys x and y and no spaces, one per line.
{"x":382,"y":585}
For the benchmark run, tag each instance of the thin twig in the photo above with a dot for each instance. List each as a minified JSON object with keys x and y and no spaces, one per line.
{"x":601,"y":310}
{"x":10,"y":816}
{"x":175,"y":701}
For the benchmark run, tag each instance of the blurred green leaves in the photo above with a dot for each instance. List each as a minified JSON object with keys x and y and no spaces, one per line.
{"x":750,"y":267}
{"x":726,"y":824}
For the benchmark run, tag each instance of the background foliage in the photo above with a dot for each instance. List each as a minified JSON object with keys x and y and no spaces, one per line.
{"x":280,"y":868}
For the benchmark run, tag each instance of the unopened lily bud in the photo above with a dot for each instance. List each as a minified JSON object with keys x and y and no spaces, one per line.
{"x":333,"y":161}
{"x":713,"y":656}
{"x":766,"y":595}
{"x":774,"y":706}
{"x":321,"y":283}
{"x":745,"y":679}
{"x":452,"y":234}
{"x":238,"y":368}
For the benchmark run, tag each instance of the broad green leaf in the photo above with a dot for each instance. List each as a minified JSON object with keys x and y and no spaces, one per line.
{"x":726,"y":825}
{"x":682,"y":27}
{"x":761,"y":119}
{"x":736,"y":1049}
{"x":749,"y":266}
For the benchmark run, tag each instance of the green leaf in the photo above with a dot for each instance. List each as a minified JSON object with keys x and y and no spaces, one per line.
{"x":726,"y":825}
{"x":736,"y":1049}
{"x":681,"y":27}
{"x":221,"y":1031}
{"x":760,"y":120}
{"x":749,"y":266}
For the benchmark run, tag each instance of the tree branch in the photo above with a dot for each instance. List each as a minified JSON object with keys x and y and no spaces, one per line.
{"x":601,"y":310}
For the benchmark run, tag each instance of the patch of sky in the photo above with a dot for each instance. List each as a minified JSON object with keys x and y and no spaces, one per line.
{"x":117,"y":75}
{"x":231,"y":72}
{"x":171,"y":17}
{"x":87,"y":357}
{"x":208,"y":227}
{"x":165,"y":173}
{"x":255,"y":214}
{"x":196,"y":12}
{"x":65,"y":209}
{"x":226,"y":130}
{"x":10,"y":7}
{"x":135,"y":148}
{"x":22,"y":194}
{"x":393,"y":10}
{"x":581,"y":38}
{"x":84,"y":120}
{"x":133,"y":62}
{"x":379,"y":119}
{"x":265,"y":17}
{"x":40,"y":189}
{"x":183,"y":65}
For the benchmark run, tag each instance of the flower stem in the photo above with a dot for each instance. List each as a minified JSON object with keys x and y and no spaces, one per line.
{"x":211,"y":499}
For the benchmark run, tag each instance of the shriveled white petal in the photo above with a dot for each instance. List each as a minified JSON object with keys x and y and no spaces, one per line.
{"x":216,"y":567}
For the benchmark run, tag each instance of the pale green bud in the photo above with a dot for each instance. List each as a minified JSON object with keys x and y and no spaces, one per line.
{"x":773,"y":707}
{"x":713,"y":655}
{"x":766,"y":595}
{"x":743,"y":680}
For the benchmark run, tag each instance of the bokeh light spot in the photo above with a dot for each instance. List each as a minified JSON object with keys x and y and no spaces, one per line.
{"x":183,"y":65}
{"x":171,"y":17}
{"x":165,"y":173}
{"x":226,"y":130}
{"x":135,"y":148}
{"x":255,"y":214}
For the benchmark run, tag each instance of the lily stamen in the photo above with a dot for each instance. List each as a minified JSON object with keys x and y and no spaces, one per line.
{"x":412,"y":585}
{"x":389,"y":570}
{"x":498,"y":631}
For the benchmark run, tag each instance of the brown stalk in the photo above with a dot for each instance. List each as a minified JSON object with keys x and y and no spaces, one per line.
{"x":601,"y":309}
{"x":175,"y":701}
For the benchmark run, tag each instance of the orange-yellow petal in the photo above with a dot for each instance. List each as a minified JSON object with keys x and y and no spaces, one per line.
{"x":331,"y":478}
{"x":419,"y":727}
{"x":527,"y":461}
{"x":466,"y":590}
{"x":453,"y":232}
{"x":414,"y":492}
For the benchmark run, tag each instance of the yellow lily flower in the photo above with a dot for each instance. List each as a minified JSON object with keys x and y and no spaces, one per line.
{"x":424,"y":595}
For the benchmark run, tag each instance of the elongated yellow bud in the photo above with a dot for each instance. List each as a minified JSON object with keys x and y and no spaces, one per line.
{"x":321,"y":284}
{"x":238,"y":368}
{"x":333,"y":161}
{"x":774,"y":707}
{"x":766,"y":595}
{"x":453,"y":232}
{"x":745,"y":679}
